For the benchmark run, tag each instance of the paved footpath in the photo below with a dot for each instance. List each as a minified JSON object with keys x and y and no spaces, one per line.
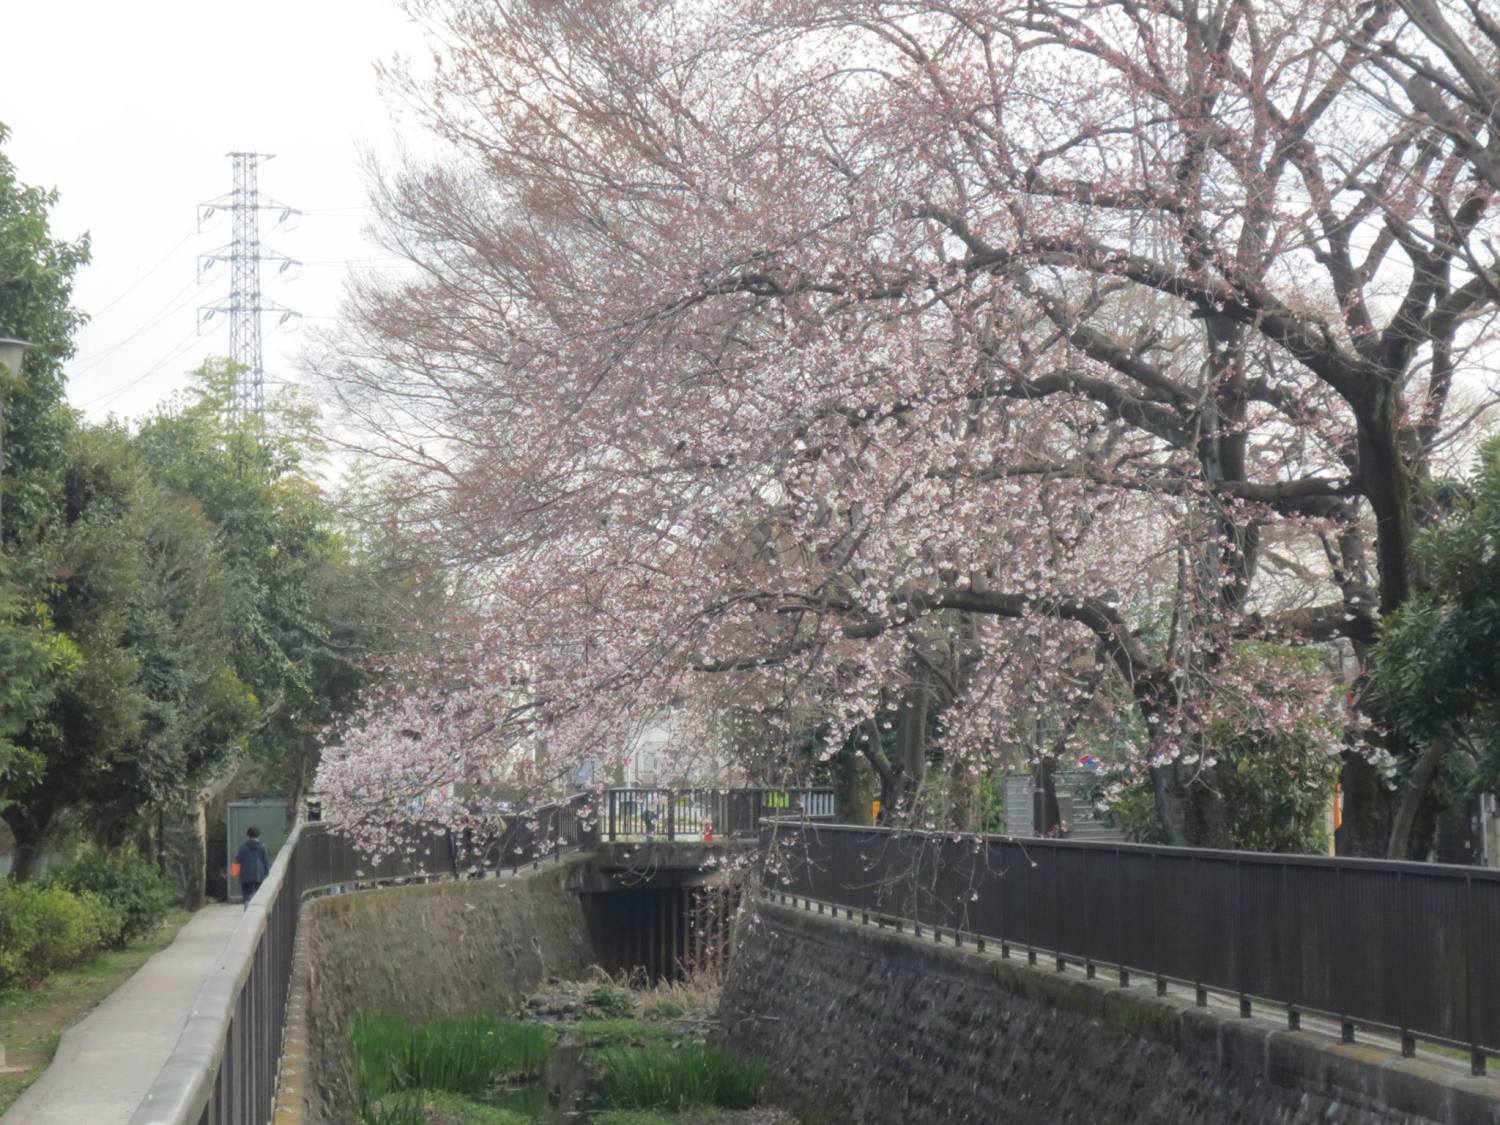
{"x":105,"y":1063}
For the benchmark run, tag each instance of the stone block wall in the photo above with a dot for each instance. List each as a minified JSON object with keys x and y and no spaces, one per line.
{"x":442,"y":949}
{"x":857,"y":1025}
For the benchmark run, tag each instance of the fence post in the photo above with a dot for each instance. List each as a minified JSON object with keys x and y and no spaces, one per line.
{"x":1239,"y":937}
{"x":1056,"y":910}
{"x":1471,"y":961}
{"x":1088,"y":919}
{"x":1292,"y":950}
{"x":1161,"y":981}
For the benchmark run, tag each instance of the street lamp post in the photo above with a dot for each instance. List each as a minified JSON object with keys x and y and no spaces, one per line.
{"x":10,"y":368}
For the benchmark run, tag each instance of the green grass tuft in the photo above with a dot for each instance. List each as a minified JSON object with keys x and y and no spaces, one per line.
{"x":460,"y":1110}
{"x":607,"y":1033}
{"x":609,"y":1001}
{"x":460,"y":1056}
{"x":675,"y":1078}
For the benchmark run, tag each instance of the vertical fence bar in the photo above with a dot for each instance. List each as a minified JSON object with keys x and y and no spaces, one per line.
{"x":1471,"y":990}
{"x":1292,"y":949}
{"x":1240,"y":970}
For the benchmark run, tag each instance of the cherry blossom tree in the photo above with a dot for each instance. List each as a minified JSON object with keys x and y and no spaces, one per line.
{"x":836,"y":361}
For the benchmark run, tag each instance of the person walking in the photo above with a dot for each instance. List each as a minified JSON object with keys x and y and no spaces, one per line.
{"x":254,"y":864}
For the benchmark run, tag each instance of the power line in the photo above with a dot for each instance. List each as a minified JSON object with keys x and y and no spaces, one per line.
{"x":179,"y":349}
{"x":174,"y":304}
{"x":136,"y":284}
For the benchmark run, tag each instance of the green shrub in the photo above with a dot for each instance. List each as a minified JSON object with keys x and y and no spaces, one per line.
{"x":675,"y":1078}
{"x":461,"y":1056}
{"x":127,"y":881}
{"x":610,"y":1001}
{"x":45,"y":928}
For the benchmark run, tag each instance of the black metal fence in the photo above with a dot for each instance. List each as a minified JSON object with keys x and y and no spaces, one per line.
{"x":693,"y":814}
{"x":223,"y":1070}
{"x":1408,"y":947}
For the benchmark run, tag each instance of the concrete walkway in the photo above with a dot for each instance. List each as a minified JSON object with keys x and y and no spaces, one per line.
{"x":105,"y":1063}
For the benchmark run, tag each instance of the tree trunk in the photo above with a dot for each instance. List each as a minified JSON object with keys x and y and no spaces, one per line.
{"x":1388,"y":485}
{"x":910,"y":752}
{"x":23,"y":863}
{"x":306,"y":749}
{"x":964,"y":798}
{"x":1046,"y":814}
{"x":1171,"y":804}
{"x":1365,"y":828}
{"x":29,"y":825}
{"x":186,"y":848}
{"x":854,"y":787}
{"x":1415,"y":819}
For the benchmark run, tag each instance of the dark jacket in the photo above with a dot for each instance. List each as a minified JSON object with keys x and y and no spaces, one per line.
{"x":255,"y":864}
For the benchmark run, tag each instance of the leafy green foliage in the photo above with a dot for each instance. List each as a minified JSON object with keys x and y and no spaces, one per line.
{"x":307,"y":603}
{"x":675,"y":1078}
{"x":151,"y":704}
{"x":45,"y":928}
{"x":1276,"y":778}
{"x":36,"y":279}
{"x":172,"y":601}
{"x":609,"y":1001}
{"x":130,"y":883}
{"x":33,"y":658}
{"x":1437,"y":666}
{"x":36,"y":285}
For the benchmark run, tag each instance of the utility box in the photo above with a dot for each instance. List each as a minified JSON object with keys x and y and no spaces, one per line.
{"x":265,"y":813}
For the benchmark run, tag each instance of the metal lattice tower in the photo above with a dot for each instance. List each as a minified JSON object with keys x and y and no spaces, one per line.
{"x":245,"y":254}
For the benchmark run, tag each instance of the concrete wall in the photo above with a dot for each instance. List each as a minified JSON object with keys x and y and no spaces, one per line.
{"x":863,"y":1026}
{"x":444,"y":949}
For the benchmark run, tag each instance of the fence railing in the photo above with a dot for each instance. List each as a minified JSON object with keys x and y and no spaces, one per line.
{"x":223,"y":1069}
{"x":692,"y":814}
{"x":1411,"y":948}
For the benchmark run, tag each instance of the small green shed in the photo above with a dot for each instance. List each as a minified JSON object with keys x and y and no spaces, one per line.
{"x":265,"y":813}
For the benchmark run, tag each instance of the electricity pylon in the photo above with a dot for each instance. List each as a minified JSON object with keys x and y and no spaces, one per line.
{"x":244,"y":253}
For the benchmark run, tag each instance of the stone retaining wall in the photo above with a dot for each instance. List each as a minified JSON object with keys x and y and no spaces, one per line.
{"x":443,"y":949}
{"x":863,"y":1026}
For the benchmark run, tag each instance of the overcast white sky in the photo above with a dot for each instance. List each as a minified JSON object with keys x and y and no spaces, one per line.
{"x":128,"y":109}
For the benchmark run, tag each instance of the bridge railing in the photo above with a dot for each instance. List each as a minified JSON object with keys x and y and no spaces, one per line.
{"x":223,"y":1070}
{"x":692,"y":813}
{"x":1412,"y":948}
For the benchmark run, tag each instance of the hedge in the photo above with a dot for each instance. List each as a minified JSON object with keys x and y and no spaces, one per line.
{"x":44,"y":928}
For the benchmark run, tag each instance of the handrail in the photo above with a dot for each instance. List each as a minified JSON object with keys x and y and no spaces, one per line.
{"x":1398,"y":945}
{"x":223,"y":1067}
{"x":183,"y":1089}
{"x":700,"y":812}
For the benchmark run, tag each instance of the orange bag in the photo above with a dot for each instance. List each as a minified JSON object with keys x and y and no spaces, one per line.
{"x":234,"y":869}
